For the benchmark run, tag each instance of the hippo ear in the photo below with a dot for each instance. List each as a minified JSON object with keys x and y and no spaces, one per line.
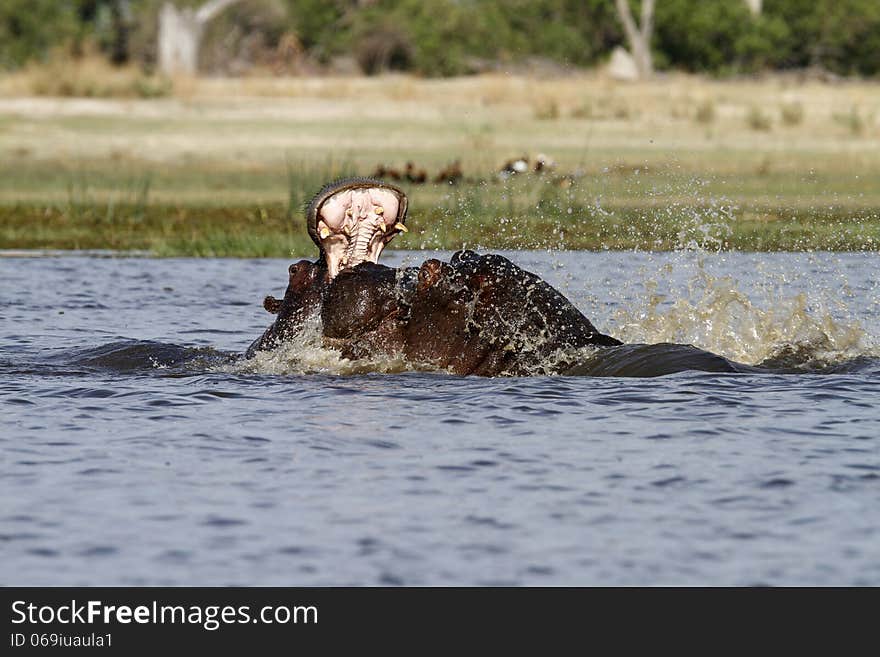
{"x":272,"y":305}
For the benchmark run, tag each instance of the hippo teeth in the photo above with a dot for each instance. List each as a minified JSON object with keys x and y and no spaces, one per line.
{"x":354,"y":223}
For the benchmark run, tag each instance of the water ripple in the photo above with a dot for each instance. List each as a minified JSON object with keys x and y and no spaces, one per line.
{"x":148,"y":460}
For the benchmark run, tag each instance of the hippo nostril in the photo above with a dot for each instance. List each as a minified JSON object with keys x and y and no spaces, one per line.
{"x":301,"y":273}
{"x":429,"y":273}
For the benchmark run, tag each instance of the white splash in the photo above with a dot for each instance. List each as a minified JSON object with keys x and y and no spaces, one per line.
{"x":714,"y":313}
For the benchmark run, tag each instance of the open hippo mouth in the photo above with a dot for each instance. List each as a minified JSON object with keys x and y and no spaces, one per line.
{"x":352,"y":220}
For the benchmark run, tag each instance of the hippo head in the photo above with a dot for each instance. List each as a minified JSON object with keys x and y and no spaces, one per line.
{"x":440,"y":329}
{"x":484,"y":315}
{"x":352,"y":220}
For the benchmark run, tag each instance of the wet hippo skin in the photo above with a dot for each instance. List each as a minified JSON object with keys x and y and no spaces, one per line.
{"x":476,"y":314}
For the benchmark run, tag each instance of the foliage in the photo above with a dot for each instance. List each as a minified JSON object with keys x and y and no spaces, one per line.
{"x":452,"y":37}
{"x":29,"y":29}
{"x":717,"y":36}
{"x":842,"y":36}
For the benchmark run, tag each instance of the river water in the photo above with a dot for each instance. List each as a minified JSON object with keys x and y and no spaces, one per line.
{"x":137,"y":449}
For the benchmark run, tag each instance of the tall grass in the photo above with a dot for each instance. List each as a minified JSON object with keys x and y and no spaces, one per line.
{"x":304,"y":180}
{"x":528,"y":213}
{"x":89,"y":76}
{"x":791,"y":114}
{"x":853,"y":120}
{"x":705,"y":112}
{"x":757,"y":119}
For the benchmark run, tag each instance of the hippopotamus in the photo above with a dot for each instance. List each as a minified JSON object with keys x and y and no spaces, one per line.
{"x":476,"y":314}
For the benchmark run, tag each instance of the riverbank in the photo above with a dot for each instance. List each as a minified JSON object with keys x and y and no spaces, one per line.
{"x":269,"y":231}
{"x":225,"y":166}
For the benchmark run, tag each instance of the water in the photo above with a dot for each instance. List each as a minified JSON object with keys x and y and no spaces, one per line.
{"x":135,"y":449}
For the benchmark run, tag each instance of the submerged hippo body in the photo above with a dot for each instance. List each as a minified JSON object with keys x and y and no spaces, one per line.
{"x":473,"y":315}
{"x":476,"y":314}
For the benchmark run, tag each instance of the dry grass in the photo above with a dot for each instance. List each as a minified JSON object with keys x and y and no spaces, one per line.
{"x":671,"y":95}
{"x":84,"y":77}
{"x":792,"y":113}
{"x":854,"y":120}
{"x":257,"y":119}
{"x":546,"y":110}
{"x":757,"y":119}
{"x":589,"y":96}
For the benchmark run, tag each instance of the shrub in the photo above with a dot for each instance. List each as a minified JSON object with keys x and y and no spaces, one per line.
{"x":92,"y":77}
{"x":30,"y":28}
{"x":791,"y":113}
{"x":699,"y":36}
{"x":853,"y":121}
{"x":384,"y":49}
{"x":757,"y":120}
{"x":546,"y":110}
{"x":842,"y":36}
{"x":583,"y":111}
{"x":705,"y":112}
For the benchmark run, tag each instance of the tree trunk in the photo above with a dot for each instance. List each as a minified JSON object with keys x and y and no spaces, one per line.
{"x":180,"y":32}
{"x":179,"y":36}
{"x":755,"y":6}
{"x":639,"y":37}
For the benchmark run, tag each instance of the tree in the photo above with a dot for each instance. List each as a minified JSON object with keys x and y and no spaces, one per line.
{"x":754,"y":6}
{"x":639,"y":36}
{"x":180,"y":32}
{"x":29,"y":29}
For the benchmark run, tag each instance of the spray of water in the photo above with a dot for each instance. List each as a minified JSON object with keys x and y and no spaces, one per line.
{"x":305,"y":353}
{"x":717,"y":315}
{"x":771,"y":316}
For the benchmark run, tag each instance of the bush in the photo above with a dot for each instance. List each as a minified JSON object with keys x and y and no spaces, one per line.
{"x":384,"y":49}
{"x":243,"y":36}
{"x":317,"y":24}
{"x":761,"y":44}
{"x":448,"y":37}
{"x":29,"y":29}
{"x":853,"y":121}
{"x":705,"y":112}
{"x":699,"y":37}
{"x":451,"y":37}
{"x":849,"y":40}
{"x":546,"y":110}
{"x":757,"y":120}
{"x":842,"y":36}
{"x":791,"y":113}
{"x":93,"y":77}
{"x":716,"y":36}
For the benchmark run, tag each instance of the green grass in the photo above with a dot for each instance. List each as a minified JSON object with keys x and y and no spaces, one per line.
{"x":523,"y":214}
